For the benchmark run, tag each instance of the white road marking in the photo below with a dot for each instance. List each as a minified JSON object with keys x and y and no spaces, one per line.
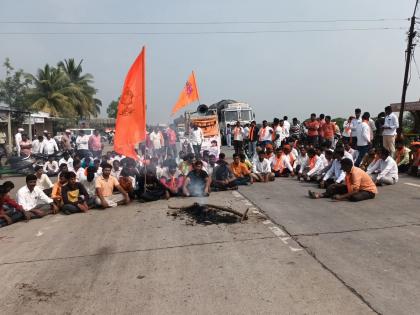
{"x":266,"y":222}
{"x":40,"y":233}
{"x":285,"y":239}
{"x":247,"y":203}
{"x":236,"y":194}
{"x":293,"y":249}
{"x":277,"y":231}
{"x":411,"y":184}
{"x":255,"y":212}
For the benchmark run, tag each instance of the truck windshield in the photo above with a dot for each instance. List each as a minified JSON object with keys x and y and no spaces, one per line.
{"x":246,"y":115}
{"x":231,"y":116}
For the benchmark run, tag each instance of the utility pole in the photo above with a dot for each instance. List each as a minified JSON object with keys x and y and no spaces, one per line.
{"x":409,"y":51}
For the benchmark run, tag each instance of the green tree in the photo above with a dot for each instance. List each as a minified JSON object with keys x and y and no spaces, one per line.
{"x":339,"y":121}
{"x":52,"y":92}
{"x":112,"y":109}
{"x":13,"y":91}
{"x":83,"y":92}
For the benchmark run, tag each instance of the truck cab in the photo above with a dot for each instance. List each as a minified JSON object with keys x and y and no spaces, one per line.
{"x":234,"y":112}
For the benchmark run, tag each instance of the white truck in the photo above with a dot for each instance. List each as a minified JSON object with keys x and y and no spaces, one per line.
{"x":229,"y":112}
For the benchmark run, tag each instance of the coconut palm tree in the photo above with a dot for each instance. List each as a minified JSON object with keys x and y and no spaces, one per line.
{"x":52,"y":92}
{"x":83,"y":98}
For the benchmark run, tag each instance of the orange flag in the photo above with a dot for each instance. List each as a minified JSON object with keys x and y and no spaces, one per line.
{"x":188,"y":95}
{"x":130,"y":128}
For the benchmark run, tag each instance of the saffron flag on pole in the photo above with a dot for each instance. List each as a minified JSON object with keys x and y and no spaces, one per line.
{"x":188,"y":95}
{"x":130,"y":127}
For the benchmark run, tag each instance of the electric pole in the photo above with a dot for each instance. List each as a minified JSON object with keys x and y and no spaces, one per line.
{"x":409,"y":51}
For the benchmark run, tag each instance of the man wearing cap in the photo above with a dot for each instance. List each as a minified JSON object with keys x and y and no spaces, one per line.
{"x":66,"y":140}
{"x":18,"y":139}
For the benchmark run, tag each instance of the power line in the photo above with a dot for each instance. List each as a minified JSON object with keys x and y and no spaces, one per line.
{"x":207,"y":32}
{"x":208,"y":22}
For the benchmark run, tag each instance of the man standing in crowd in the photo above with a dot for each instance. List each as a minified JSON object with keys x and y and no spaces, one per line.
{"x":171,"y":135}
{"x":18,"y":139}
{"x":265,"y":134}
{"x":354,"y":125}
{"x":36,"y":145}
{"x":286,"y":125}
{"x":95,"y":144}
{"x":25,"y":146}
{"x":238,"y":138}
{"x":253,"y":138}
{"x":228,"y":135}
{"x":296,"y":129}
{"x":157,"y":141}
{"x":328,"y":131}
{"x":66,"y":140}
{"x":3,"y":149}
{"x":363,"y":138}
{"x":313,"y":126}
{"x":82,"y":141}
{"x":197,"y":137}
{"x":49,"y":146}
{"x":389,"y":130}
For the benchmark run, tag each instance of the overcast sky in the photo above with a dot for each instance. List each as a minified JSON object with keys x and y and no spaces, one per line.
{"x":277,"y":73}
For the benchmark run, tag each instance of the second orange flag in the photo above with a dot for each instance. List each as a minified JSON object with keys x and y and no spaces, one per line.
{"x":188,"y":95}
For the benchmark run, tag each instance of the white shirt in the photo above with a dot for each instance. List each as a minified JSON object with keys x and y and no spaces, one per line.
{"x":246,"y":132}
{"x":80,"y":173}
{"x":82,"y":142}
{"x":372,"y":128}
{"x":335,"y":172}
{"x":18,"y":139}
{"x":197,"y":136}
{"x":353,"y":153}
{"x":264,"y":133}
{"x":44,"y":182}
{"x":281,"y":132}
{"x":51,"y":166}
{"x":155,"y":138}
{"x":390,"y":121}
{"x":69,"y":163}
{"x":48,"y":146}
{"x":286,"y":125}
{"x":353,"y":125}
{"x":347,"y":155}
{"x":116,"y":173}
{"x":90,"y":186}
{"x":347,"y":129}
{"x":29,"y":200}
{"x":363,"y":134}
{"x":387,"y":168}
{"x":36,"y":146}
{"x":319,"y":166}
{"x":259,"y":167}
{"x":238,"y":133}
{"x":301,"y":160}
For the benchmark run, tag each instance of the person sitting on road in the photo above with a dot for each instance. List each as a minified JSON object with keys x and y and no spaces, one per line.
{"x":385,"y":170}
{"x":74,"y":195}
{"x":56,"y":190}
{"x":105,"y":185}
{"x":172,"y":180}
{"x":402,"y":156}
{"x":149,"y":186}
{"x":335,"y":174}
{"x":89,"y":182}
{"x":116,"y":169}
{"x":51,"y":167}
{"x":358,"y":185}
{"x":197,"y":182}
{"x":43,"y":181}
{"x":301,"y":160}
{"x":368,"y":159}
{"x":243,"y":159}
{"x":261,"y":169}
{"x":127,"y":182}
{"x":10,"y":211}
{"x":312,"y":168}
{"x":223,"y":178}
{"x":33,"y":200}
{"x":186,"y":165}
{"x":67,"y":159}
{"x":414,"y":169}
{"x":78,"y":169}
{"x":240,"y":171}
{"x":280,"y":165}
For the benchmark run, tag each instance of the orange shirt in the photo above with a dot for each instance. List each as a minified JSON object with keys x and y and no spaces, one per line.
{"x":329,"y":130}
{"x":106,"y":185}
{"x":239,"y":170}
{"x":358,"y":180}
{"x":56,"y":191}
{"x":313,"y":127}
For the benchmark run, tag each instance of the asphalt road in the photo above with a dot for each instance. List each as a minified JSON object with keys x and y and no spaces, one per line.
{"x":371,"y":247}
